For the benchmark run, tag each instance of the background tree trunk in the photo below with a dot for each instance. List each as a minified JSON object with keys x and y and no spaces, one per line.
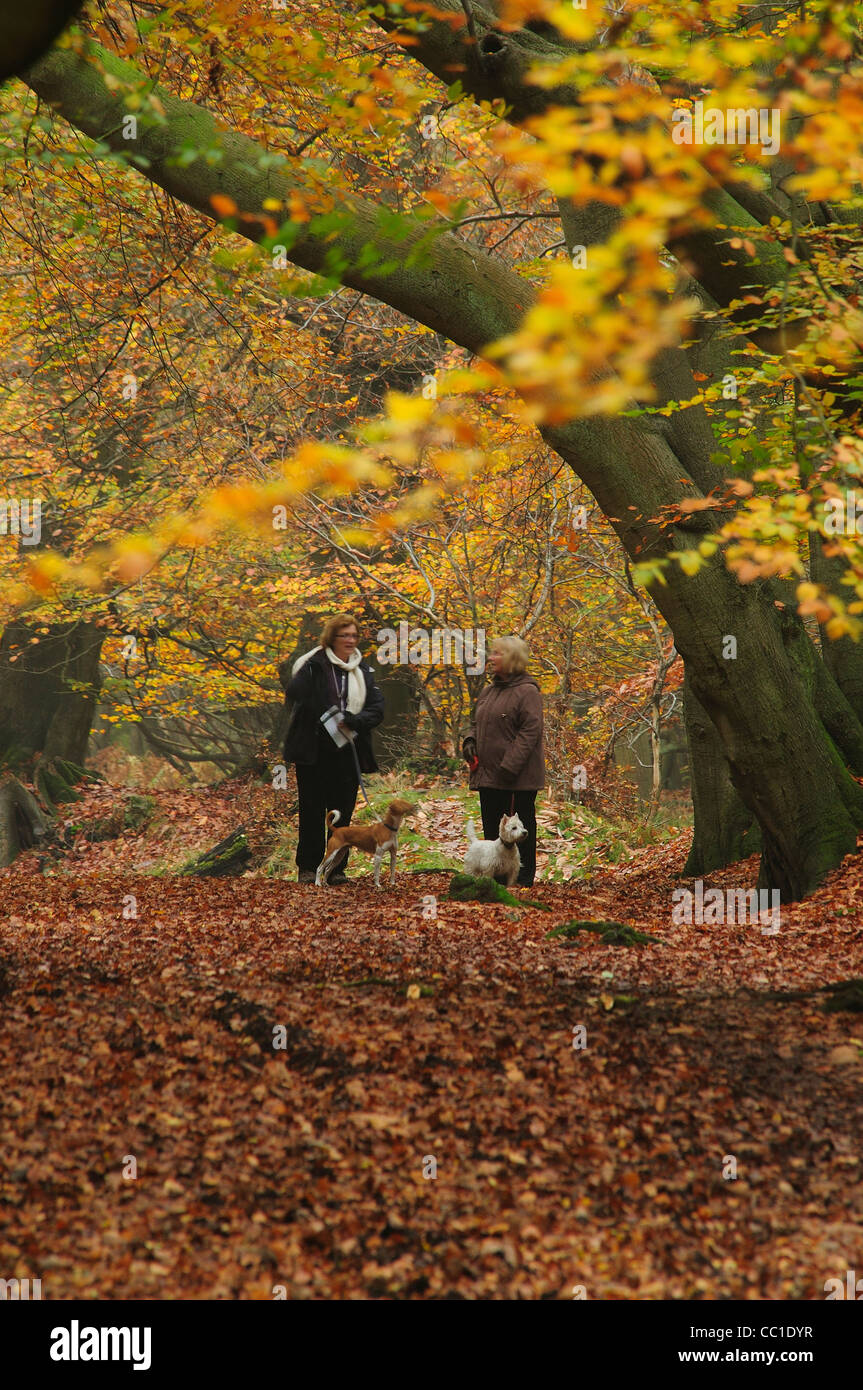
{"x":22,"y":823}
{"x":49,"y":684}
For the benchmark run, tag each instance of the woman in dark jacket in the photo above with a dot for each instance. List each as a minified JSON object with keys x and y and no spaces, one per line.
{"x":333,"y":674}
{"x":504,"y":748}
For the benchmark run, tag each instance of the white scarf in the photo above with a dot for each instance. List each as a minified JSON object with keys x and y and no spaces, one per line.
{"x":356,"y":679}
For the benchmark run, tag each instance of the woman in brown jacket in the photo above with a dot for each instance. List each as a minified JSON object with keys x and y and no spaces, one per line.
{"x":504,"y":747}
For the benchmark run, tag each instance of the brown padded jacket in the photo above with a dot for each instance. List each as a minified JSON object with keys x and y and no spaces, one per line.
{"x":507,"y":731}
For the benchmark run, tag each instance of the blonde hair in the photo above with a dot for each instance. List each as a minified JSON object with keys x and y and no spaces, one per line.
{"x":334,"y":625}
{"x":515,"y":653}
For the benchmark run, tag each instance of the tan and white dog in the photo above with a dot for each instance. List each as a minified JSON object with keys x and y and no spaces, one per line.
{"x":374,"y":839}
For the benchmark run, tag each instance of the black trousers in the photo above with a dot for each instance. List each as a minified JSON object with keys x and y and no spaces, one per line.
{"x":496,"y":802}
{"x":330,"y":784}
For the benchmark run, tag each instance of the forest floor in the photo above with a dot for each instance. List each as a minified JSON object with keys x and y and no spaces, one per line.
{"x":428,"y":1123}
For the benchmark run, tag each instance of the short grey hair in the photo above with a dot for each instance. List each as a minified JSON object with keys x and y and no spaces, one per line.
{"x":515,"y":653}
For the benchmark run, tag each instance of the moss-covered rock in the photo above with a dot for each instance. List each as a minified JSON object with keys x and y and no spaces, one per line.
{"x":105,"y":827}
{"x":139,"y":810}
{"x":464,"y":888}
{"x":229,"y":856}
{"x":609,"y":933}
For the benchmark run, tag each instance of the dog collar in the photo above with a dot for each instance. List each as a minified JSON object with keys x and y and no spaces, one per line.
{"x":393,"y":828}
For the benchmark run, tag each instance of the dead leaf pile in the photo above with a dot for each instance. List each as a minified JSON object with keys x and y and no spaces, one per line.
{"x":214,"y":1088}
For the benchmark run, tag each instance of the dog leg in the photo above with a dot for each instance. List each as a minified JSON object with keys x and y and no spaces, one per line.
{"x":393,"y":867}
{"x":325,"y":868}
{"x":379,"y":858}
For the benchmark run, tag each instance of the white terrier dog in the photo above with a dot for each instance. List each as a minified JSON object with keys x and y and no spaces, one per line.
{"x":498,"y":859}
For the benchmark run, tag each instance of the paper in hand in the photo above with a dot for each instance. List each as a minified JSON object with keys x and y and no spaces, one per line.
{"x":330,"y":720}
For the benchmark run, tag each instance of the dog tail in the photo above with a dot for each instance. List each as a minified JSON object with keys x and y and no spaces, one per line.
{"x":332,"y":817}
{"x":471,"y":833}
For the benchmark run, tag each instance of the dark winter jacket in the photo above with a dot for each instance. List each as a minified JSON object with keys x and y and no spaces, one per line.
{"x":507,"y":733}
{"x":311,"y":692}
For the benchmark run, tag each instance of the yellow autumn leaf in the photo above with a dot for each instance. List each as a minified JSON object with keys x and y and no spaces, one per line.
{"x":407,"y":410}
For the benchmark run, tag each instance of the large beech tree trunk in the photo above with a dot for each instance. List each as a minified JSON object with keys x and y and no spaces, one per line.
{"x":725,"y":829}
{"x":49,"y":683}
{"x":843,"y":657}
{"x":782,"y":761}
{"x":27,"y":30}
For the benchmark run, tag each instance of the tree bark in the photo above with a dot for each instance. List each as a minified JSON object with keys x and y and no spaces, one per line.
{"x":725,"y":829}
{"x":49,"y":684}
{"x":22,"y":823}
{"x":782,"y":761}
{"x":27,"y":30}
{"x":843,"y":657}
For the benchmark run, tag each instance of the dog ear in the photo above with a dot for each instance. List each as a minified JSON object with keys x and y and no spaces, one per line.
{"x":502,"y":827}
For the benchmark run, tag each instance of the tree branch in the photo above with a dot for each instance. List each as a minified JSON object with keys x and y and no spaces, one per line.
{"x":427,"y":272}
